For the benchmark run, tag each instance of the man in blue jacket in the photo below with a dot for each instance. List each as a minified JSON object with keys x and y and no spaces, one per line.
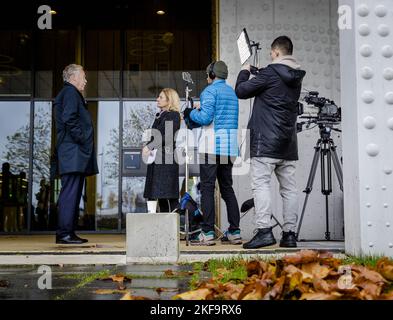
{"x":273,"y":141}
{"x":218,"y":115}
{"x":75,"y":148}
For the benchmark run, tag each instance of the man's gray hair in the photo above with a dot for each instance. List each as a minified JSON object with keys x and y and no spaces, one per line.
{"x":70,"y":70}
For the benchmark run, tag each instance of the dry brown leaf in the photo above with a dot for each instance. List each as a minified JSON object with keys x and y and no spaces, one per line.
{"x":121,"y":286}
{"x":385,"y":268}
{"x":295,"y":280}
{"x":368,"y":274}
{"x":110,"y":291}
{"x":159,"y":290}
{"x":255,"y":267}
{"x":129,"y":296}
{"x":258,"y":293}
{"x":232,"y":291}
{"x":321,"y":285}
{"x":118,"y":278}
{"x":331,"y":262}
{"x":276,"y":291}
{"x":169,"y":273}
{"x":246,"y":290}
{"x":325,"y":255}
{"x":315,"y":269}
{"x":320,"y":296}
{"x":304,"y":256}
{"x":371,"y":290}
{"x":386,"y":296}
{"x":291,"y":270}
{"x":199,"y":294}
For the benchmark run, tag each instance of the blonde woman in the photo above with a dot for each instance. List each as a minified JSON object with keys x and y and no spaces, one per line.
{"x":162,"y":178}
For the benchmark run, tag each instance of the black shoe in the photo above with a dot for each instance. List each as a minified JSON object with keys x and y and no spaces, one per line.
{"x":83,"y":240}
{"x":70,"y":239}
{"x":263,"y":238}
{"x":288,"y":240}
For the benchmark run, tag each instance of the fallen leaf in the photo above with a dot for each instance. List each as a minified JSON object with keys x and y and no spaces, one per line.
{"x":232,"y":291}
{"x":277,"y":289}
{"x":159,"y":290}
{"x":250,"y":287}
{"x":386,"y":296}
{"x":320,"y":296}
{"x":370,"y":291}
{"x":291,"y":269}
{"x":315,"y":269}
{"x":109,"y":291}
{"x":121,"y":286}
{"x":199,"y":294}
{"x":368,"y":274}
{"x":295,"y":281}
{"x":169,"y":273}
{"x":118,"y":278}
{"x":258,"y":293}
{"x":256,"y":267}
{"x":304,"y":256}
{"x":321,"y":285}
{"x":385,"y":268}
{"x":325,"y":255}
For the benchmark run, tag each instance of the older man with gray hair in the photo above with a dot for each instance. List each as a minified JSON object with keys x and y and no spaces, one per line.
{"x":76,"y":151}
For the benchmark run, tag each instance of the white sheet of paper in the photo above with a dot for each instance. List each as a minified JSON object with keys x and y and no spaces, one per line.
{"x":152,"y":156}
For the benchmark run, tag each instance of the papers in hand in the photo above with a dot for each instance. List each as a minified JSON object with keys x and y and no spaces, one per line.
{"x":152,"y":156}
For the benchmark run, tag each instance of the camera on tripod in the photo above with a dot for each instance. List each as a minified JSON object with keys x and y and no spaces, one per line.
{"x":328,"y":114}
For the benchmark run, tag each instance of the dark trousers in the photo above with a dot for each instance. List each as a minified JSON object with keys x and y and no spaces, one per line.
{"x":168,"y":205}
{"x":68,"y":204}
{"x":222,"y":171}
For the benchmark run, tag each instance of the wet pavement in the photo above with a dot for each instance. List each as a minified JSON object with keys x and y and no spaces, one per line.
{"x":81,"y":283}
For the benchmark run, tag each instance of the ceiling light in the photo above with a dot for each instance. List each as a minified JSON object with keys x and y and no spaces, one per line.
{"x":160,"y":12}
{"x":53,"y":12}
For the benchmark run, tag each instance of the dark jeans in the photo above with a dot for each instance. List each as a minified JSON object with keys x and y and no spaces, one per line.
{"x":68,"y":204}
{"x":222,"y":171}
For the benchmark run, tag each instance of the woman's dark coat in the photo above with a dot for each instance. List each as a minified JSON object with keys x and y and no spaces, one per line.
{"x":162,"y":178}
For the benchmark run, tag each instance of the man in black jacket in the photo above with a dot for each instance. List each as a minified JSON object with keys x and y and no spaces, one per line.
{"x":273,"y":141}
{"x":76,"y":152}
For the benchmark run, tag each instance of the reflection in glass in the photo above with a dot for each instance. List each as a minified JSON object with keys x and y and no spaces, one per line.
{"x":107,"y":181}
{"x":42,"y":218}
{"x":138,"y":116}
{"x":14,"y":149}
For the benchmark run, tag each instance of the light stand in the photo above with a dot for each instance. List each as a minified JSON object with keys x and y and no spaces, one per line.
{"x":256,"y":46}
{"x":187,"y":78}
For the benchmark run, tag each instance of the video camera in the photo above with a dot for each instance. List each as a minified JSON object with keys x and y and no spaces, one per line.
{"x":328,"y":114}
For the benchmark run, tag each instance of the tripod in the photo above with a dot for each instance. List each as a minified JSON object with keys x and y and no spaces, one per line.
{"x":326,"y":150}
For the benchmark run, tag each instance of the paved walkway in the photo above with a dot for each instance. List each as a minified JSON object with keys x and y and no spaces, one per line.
{"x":110,"y":249}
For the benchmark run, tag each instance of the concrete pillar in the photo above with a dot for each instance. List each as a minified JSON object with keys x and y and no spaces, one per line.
{"x":366,"y":47}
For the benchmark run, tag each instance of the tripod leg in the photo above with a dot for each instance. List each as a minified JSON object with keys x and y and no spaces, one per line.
{"x":277,"y":222}
{"x":327,"y":233}
{"x":337,"y":166}
{"x":326,"y":180}
{"x":310,"y":183}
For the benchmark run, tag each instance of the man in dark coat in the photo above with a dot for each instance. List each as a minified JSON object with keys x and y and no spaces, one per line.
{"x":273,"y":141}
{"x":76,"y":152}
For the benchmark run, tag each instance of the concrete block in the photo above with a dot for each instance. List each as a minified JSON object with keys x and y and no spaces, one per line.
{"x":152,"y":237}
